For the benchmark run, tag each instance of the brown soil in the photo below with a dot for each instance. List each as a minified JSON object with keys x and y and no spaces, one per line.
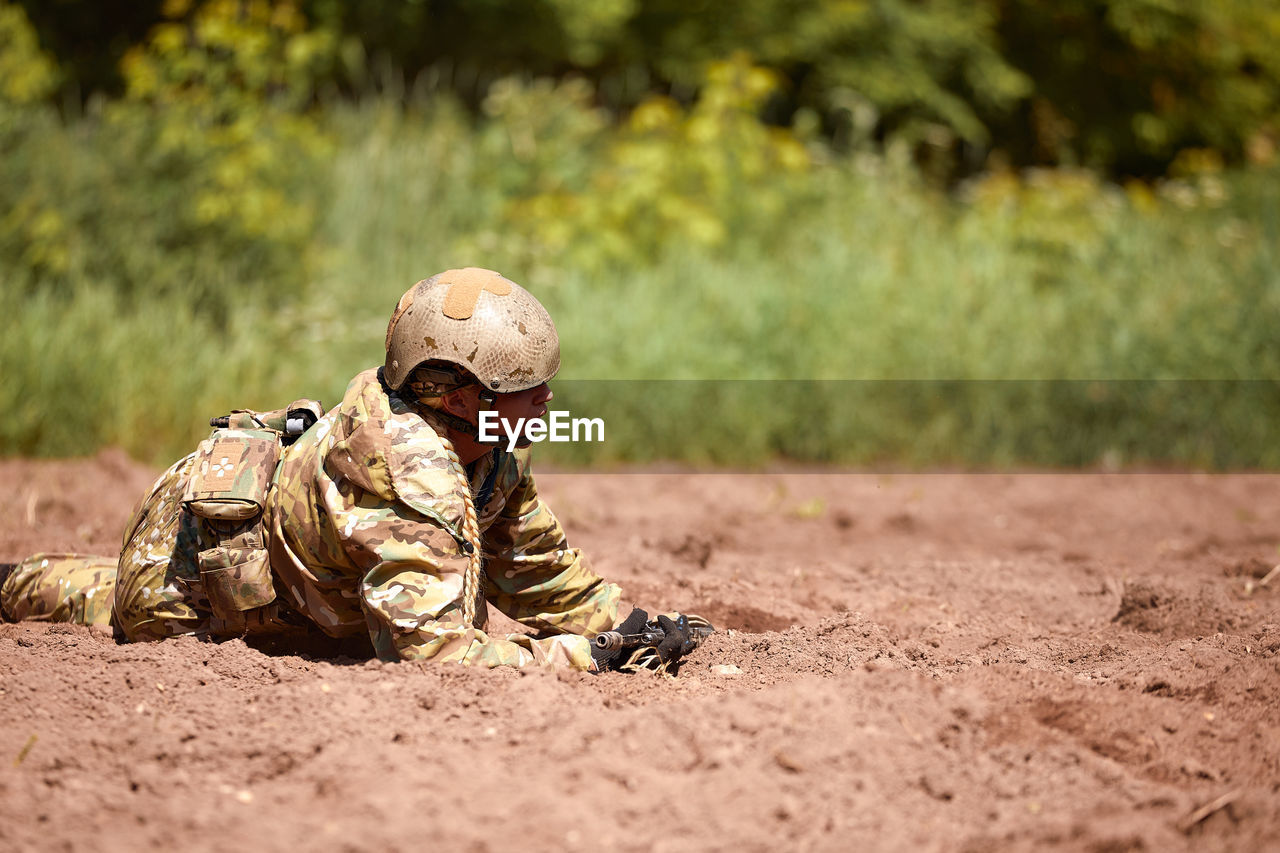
{"x":927,"y":662}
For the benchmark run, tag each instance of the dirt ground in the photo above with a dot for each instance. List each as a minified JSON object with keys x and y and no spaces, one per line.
{"x":909,"y":662}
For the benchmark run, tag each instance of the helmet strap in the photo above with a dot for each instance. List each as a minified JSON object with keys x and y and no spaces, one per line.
{"x":470,"y":430}
{"x":487,"y":401}
{"x":462,"y":425}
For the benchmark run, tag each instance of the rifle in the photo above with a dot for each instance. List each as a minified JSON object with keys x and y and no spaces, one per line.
{"x":644,"y":644}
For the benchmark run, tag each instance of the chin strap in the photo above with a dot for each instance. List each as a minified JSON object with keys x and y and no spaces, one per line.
{"x":470,"y":430}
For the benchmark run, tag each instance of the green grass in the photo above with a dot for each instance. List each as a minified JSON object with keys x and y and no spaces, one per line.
{"x":869,"y":275}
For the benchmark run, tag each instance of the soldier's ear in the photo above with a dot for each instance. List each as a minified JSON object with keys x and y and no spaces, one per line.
{"x":458,"y":402}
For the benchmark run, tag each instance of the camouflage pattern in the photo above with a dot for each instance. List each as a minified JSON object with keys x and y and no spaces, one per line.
{"x":158,"y":589}
{"x":60,"y":588}
{"x":233,"y":473}
{"x":364,"y":527}
{"x":153,"y":591}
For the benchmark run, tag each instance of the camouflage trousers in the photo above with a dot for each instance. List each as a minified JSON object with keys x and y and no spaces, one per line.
{"x":151,"y":592}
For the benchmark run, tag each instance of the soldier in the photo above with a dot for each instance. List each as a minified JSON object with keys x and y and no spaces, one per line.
{"x":388,"y":517}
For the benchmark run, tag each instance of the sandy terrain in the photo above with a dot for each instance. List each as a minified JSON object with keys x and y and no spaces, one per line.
{"x":927,"y":662}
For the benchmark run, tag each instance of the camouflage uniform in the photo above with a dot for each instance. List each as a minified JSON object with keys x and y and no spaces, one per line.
{"x":363,"y":526}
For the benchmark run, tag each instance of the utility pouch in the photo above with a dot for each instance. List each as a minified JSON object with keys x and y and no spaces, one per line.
{"x":232,"y":473}
{"x":228,"y":489}
{"x":236,"y":580}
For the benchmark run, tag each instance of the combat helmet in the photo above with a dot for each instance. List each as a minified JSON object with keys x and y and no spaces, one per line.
{"x":473,"y":318}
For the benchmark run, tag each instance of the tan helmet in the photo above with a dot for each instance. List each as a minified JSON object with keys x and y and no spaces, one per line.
{"x":478,"y":320}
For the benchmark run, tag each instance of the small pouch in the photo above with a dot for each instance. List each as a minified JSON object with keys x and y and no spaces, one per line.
{"x":232,"y":474}
{"x":236,"y":580}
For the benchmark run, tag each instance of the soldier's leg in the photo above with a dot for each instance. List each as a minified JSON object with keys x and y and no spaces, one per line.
{"x":60,"y":588}
{"x":158,"y":591}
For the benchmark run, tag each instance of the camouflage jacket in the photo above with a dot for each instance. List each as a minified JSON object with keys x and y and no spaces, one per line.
{"x":365,"y":522}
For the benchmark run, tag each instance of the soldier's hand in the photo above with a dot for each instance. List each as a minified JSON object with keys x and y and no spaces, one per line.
{"x":634,"y":624}
{"x":679,"y":639}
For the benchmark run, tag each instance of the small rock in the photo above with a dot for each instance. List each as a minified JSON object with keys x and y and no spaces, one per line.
{"x":726,"y":669}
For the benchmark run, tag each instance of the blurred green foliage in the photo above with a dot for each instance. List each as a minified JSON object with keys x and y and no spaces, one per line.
{"x":1127,"y":84}
{"x":219,"y":97}
{"x":199,"y":181}
{"x":26,"y":73}
{"x":27,"y":76}
{"x":922,"y":68}
{"x":590,"y":196}
{"x":90,"y":38}
{"x":221,"y":235}
{"x":1122,"y":85}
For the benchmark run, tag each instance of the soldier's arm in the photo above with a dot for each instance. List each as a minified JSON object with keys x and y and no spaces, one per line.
{"x":534,"y":577}
{"x":412,"y":597}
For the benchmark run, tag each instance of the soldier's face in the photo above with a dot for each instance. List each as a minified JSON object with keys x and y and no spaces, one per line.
{"x":530,"y":404}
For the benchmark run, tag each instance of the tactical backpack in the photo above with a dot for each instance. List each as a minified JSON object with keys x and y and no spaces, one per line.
{"x":232,"y":474}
